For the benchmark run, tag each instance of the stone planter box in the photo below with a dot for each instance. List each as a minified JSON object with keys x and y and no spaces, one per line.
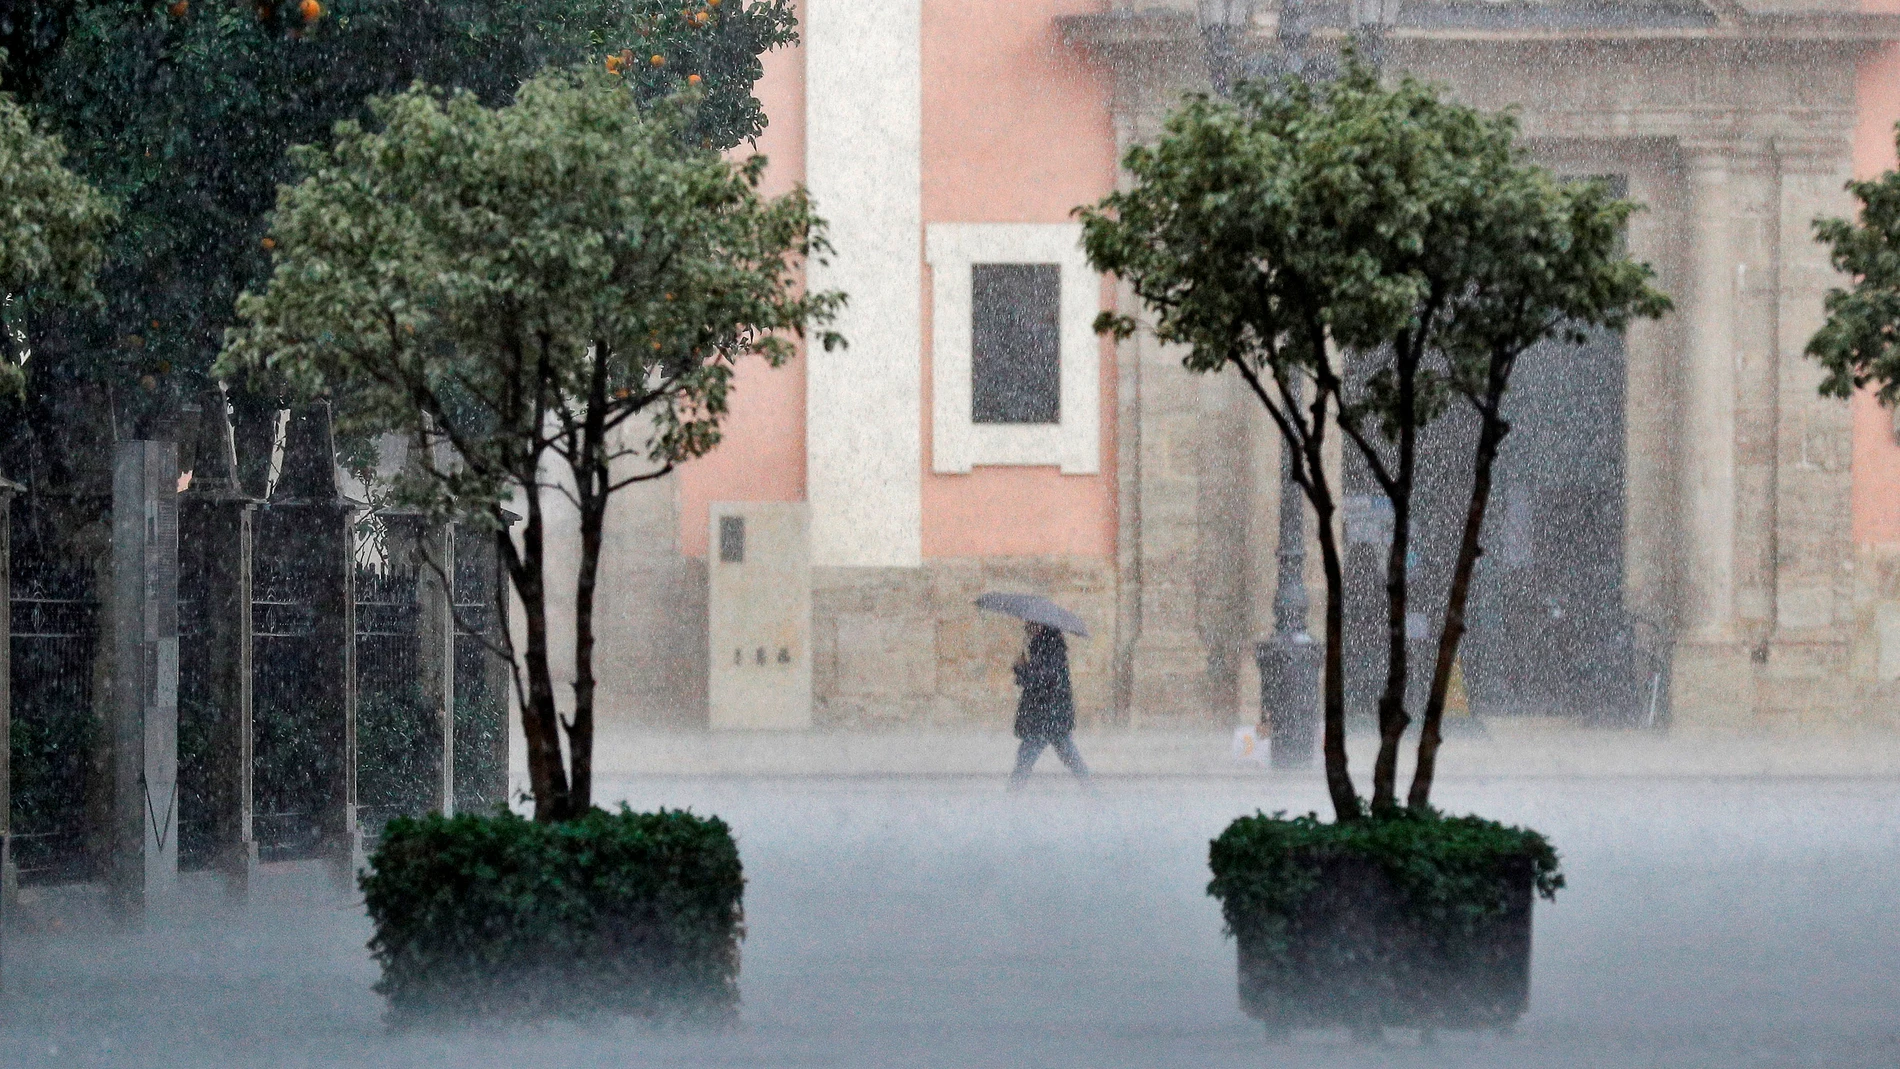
{"x":1354,"y":953}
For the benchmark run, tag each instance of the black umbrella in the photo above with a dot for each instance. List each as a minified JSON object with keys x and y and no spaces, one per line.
{"x":1036,"y":609}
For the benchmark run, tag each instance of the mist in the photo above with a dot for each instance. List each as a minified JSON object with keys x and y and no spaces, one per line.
{"x":1075,"y":374}
{"x":917,"y":920}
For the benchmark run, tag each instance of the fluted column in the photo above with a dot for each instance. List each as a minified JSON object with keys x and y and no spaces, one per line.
{"x":1708,"y":445}
{"x":1712,"y":684}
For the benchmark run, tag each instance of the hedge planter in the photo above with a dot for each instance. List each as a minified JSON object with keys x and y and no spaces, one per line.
{"x":612,"y":914}
{"x":1408,"y":920}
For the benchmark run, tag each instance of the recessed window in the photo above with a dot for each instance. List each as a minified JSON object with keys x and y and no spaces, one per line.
{"x":732,"y":539}
{"x":1016,"y":343}
{"x":1015,"y":366}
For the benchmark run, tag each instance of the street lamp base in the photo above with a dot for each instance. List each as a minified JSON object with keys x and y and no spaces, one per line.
{"x":1289,"y":697}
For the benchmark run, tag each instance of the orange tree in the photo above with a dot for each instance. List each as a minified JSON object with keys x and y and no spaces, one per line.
{"x":181,"y":111}
{"x":558,"y":292}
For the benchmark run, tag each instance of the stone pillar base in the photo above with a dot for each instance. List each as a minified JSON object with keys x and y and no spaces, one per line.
{"x":235,"y":865}
{"x":1712,"y":687}
{"x":1807,"y":681}
{"x":1169,"y":685}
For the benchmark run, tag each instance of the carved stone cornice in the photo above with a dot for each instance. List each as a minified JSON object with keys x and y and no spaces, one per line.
{"x":1127,"y":33}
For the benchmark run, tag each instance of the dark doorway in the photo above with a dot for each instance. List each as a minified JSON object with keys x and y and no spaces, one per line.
{"x":1549,"y":635}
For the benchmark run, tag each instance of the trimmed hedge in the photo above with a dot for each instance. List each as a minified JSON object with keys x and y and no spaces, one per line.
{"x":611,"y":914}
{"x":1409,"y":918}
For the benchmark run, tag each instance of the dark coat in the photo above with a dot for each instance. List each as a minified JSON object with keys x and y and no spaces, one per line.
{"x":1046,"y":710}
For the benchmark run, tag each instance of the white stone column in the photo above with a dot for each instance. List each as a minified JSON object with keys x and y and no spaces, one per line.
{"x":1712,"y":684}
{"x":1708,"y":428}
{"x":863,"y":163}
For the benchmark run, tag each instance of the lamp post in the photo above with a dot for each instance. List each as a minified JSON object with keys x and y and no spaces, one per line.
{"x":1289,"y":661}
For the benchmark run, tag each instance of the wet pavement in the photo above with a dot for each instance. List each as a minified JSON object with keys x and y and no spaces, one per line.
{"x":934,"y":921}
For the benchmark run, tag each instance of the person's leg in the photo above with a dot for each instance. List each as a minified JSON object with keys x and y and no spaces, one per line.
{"x":1026,"y":755}
{"x":1065,"y":749}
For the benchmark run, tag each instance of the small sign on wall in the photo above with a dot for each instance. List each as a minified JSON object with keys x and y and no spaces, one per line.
{"x":759,"y":616}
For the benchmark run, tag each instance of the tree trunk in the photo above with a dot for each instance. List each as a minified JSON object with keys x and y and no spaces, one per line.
{"x":1333,"y":686}
{"x":540,"y":720}
{"x":593,"y":481}
{"x":1392,"y":716}
{"x":1490,"y":437}
{"x":580,"y":734}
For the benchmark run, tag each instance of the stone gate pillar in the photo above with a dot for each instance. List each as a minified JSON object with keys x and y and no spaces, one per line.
{"x":144,"y":726}
{"x":215,"y":560}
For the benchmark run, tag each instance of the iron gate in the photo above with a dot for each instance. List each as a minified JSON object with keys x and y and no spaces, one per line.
{"x":56,"y":622}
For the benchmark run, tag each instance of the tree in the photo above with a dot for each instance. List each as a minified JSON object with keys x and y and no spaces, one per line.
{"x":1859,"y":344}
{"x":1361,"y":255}
{"x":183,"y":113}
{"x":52,"y":226}
{"x":569,"y":281}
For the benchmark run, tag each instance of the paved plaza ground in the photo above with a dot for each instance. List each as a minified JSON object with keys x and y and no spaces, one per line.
{"x":920,"y":916}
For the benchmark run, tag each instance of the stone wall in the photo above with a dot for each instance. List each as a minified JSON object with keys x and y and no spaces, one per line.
{"x":907,"y":646}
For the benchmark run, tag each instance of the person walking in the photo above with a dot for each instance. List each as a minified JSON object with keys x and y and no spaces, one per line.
{"x":1045,"y":714}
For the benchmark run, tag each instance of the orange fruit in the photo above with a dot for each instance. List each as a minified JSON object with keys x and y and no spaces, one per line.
{"x":613,"y":64}
{"x":700,"y":19}
{"x":310,"y":10}
{"x":179,"y":7}
{"x":269,"y":243}
{"x":659,"y":60}
{"x":692,"y":79}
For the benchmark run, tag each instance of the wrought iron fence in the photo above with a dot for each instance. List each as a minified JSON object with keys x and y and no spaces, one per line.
{"x":481,"y":676}
{"x":56,"y":625}
{"x":197,"y":719}
{"x":294,"y":763}
{"x":397,"y":735}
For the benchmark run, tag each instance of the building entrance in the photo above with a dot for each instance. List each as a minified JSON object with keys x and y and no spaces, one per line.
{"x":1548,"y":634}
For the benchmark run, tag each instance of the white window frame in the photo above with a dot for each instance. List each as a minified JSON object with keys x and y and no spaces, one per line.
{"x":958,"y":443}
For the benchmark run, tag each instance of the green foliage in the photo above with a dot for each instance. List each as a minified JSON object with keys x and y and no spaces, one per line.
{"x":398,"y":740}
{"x":1357,"y":215}
{"x":497,"y":276}
{"x":611,"y":913}
{"x":1362,"y":254}
{"x":52,"y":225}
{"x":1449,"y":870}
{"x":563,"y":278}
{"x":52,"y":744}
{"x":1859,"y":345}
{"x":184,"y":115}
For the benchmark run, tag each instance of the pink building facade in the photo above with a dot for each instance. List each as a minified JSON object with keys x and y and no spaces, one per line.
{"x":1757,"y":527}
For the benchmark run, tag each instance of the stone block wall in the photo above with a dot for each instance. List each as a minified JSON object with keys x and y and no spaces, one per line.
{"x":1873,"y":666}
{"x":907,"y":647}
